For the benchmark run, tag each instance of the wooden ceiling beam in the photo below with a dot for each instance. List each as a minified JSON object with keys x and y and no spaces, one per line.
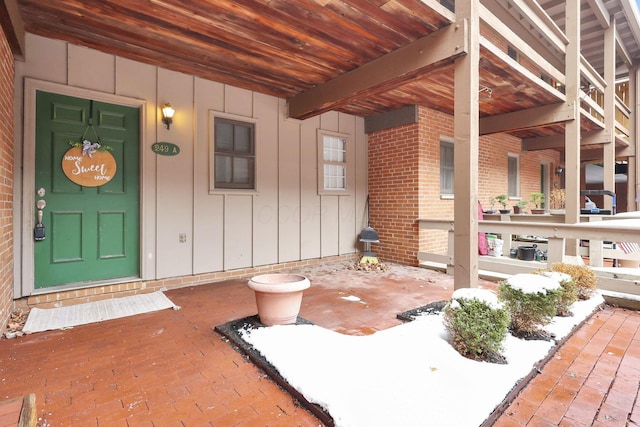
{"x":526,"y":119}
{"x":543,"y":143}
{"x":401,"y":66}
{"x":600,"y":12}
{"x":596,"y":155}
{"x":621,"y":50}
{"x":13,"y":27}
{"x":599,"y":137}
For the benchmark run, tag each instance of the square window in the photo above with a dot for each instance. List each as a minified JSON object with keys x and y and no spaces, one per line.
{"x":334,"y":164}
{"x":234,"y":154}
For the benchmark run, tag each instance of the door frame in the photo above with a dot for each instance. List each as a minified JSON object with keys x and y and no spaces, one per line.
{"x":545,"y":182}
{"x":25,"y":198}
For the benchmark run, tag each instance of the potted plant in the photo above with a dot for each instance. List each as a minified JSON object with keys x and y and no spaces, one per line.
{"x":557,"y":201}
{"x":518,"y":207}
{"x":492,"y":203}
{"x":537,"y":199}
{"x":502,"y":199}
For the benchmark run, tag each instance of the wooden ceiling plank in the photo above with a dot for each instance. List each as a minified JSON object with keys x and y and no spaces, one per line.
{"x":151,"y":56}
{"x":263,"y":26}
{"x":391,"y":21}
{"x":171,"y":52}
{"x":392,"y":69}
{"x":248,"y":39}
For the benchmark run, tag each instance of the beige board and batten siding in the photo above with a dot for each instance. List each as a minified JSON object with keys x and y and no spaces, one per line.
{"x":284,"y":219}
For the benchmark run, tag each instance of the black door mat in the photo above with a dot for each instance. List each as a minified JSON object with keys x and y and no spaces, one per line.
{"x":231,"y":331}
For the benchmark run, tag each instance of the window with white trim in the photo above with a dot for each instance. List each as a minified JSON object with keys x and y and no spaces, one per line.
{"x":513,"y":175}
{"x":335,"y":163}
{"x":234,"y":154}
{"x":446,"y":168}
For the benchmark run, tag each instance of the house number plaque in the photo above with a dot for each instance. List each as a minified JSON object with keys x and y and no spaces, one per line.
{"x":165,"y":149}
{"x":89,"y":169}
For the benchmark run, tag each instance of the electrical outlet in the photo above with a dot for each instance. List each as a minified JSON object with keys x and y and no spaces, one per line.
{"x":182,"y":237}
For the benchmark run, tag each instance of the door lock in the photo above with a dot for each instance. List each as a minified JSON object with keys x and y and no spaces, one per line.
{"x":39,"y":232}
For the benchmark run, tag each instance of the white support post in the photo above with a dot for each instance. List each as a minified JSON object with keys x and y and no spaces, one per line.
{"x":555,"y":250}
{"x":572,"y":127}
{"x":466,"y":142}
{"x":609,"y":150}
{"x":634,"y":103}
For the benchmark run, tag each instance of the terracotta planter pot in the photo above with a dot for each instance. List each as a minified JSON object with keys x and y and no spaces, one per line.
{"x":278,"y":297}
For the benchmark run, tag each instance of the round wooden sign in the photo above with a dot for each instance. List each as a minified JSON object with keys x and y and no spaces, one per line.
{"x":89,"y":170}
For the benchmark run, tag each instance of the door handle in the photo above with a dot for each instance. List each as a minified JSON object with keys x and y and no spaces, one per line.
{"x":39,"y":232}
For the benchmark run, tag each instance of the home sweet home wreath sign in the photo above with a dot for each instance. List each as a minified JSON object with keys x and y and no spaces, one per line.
{"x":87,"y":163}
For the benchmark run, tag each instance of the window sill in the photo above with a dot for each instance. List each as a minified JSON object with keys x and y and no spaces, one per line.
{"x":222,"y":191}
{"x":335,"y":193}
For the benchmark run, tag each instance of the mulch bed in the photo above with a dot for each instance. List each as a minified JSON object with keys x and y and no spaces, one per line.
{"x":431,"y":308}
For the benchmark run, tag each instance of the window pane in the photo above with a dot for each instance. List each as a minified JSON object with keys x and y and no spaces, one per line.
{"x":446,"y":168}
{"x":242,"y":139}
{"x":513,"y":177}
{"x":224,"y":137}
{"x":241,"y":170}
{"x":334,"y":149}
{"x":223,"y":168}
{"x":334,"y":177}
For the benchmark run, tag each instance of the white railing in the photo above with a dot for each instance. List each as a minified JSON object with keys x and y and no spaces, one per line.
{"x":596,"y":230}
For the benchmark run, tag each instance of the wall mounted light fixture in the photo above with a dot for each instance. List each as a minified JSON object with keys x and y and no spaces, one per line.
{"x":167,"y":115}
{"x":559,"y":170}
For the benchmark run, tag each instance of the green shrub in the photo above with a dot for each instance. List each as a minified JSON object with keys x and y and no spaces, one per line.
{"x":531,"y":300}
{"x":585,"y":278}
{"x":568,"y":291}
{"x":477,"y":324}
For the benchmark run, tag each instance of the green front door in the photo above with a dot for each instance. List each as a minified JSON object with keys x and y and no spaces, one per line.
{"x":91,"y":233}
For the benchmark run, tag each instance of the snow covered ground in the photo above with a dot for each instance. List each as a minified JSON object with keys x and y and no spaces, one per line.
{"x":408,"y":375}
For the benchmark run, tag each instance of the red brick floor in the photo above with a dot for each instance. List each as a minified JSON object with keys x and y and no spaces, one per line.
{"x":592,"y":380}
{"x":170,"y":368}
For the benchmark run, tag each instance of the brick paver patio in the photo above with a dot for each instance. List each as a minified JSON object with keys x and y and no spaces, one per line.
{"x":170,"y":368}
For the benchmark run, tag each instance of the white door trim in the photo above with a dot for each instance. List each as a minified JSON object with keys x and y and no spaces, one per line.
{"x":24,"y":196}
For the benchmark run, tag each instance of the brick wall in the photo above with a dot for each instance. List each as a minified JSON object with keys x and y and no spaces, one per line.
{"x":6,"y":181}
{"x":404,"y":182}
{"x":394,"y":161}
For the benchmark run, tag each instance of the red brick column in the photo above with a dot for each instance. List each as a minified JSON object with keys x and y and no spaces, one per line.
{"x":404,"y":182}
{"x":6,"y":180}
{"x":394,"y":156}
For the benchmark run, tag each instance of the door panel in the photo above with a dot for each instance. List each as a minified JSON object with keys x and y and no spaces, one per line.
{"x":92,"y":233}
{"x":67,"y":246}
{"x":111,"y":235}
